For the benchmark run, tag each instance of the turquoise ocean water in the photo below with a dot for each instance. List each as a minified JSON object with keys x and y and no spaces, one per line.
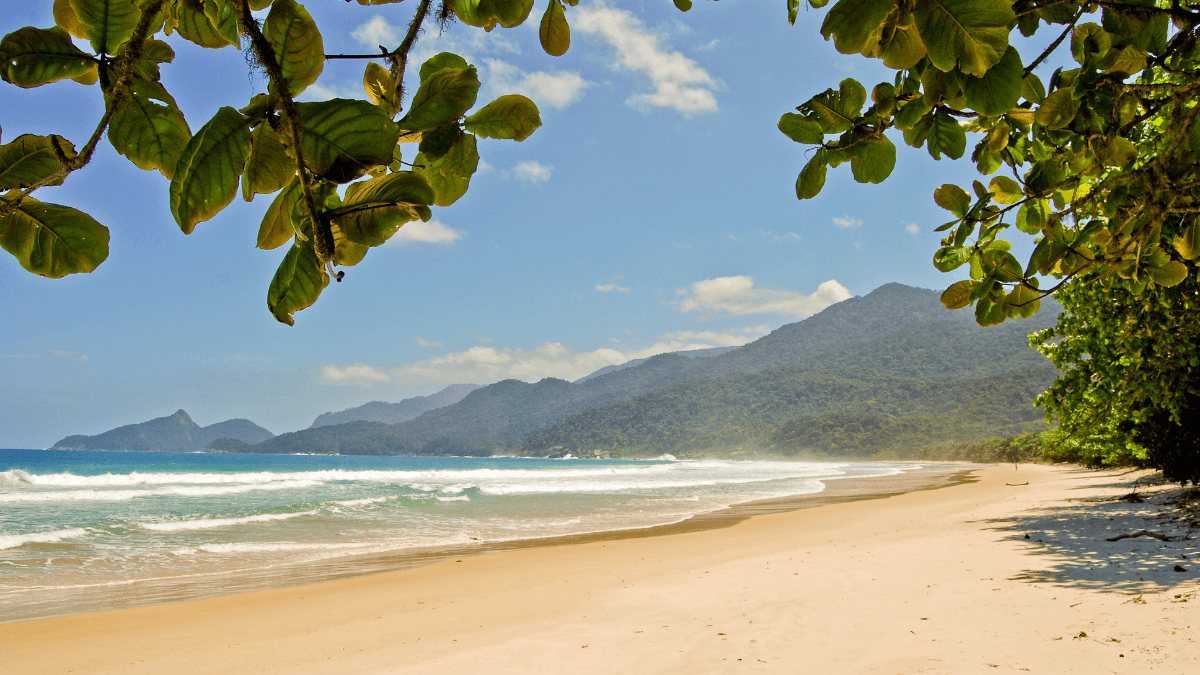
{"x":79,"y":531}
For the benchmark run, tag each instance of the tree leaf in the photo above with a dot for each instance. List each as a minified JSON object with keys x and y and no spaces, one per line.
{"x":154,"y":52}
{"x":801,"y":129}
{"x":379,"y":208}
{"x":379,"y":85}
{"x":450,"y":175}
{"x":206,"y":176}
{"x":1128,"y":60}
{"x":269,"y":168}
{"x":221,"y":17}
{"x":1024,"y":301}
{"x":106,"y":23}
{"x":511,"y":116}
{"x":29,"y":159}
{"x":900,"y":44}
{"x":297,"y":283}
{"x":1187,"y":242}
{"x":32,"y":57}
{"x":297,"y":43}
{"x":1058,"y":109}
{"x":554,"y":32}
{"x":812,"y":177}
{"x":53,"y":241}
{"x":486,"y":14}
{"x":342,"y":139}
{"x":1089,"y":40}
{"x":946,"y":135}
{"x":999,"y":90}
{"x":970,"y":35}
{"x":66,"y":19}
{"x":837,"y":112}
{"x":874,"y":160}
{"x":440,"y":62}
{"x":950,"y":258}
{"x":195,"y":27}
{"x":1005,"y":190}
{"x":684,"y":5}
{"x":436,"y":143}
{"x":346,"y":252}
{"x":151,"y":134}
{"x":276,"y":228}
{"x":854,"y":23}
{"x":441,"y":99}
{"x":953,"y":198}
{"x":958,"y":295}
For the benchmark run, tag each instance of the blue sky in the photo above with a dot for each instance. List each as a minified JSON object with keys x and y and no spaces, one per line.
{"x":653,"y":211}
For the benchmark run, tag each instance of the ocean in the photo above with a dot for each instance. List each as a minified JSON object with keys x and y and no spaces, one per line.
{"x":86,"y":531}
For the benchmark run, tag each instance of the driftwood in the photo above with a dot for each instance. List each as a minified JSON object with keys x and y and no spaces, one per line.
{"x":1142,"y":533}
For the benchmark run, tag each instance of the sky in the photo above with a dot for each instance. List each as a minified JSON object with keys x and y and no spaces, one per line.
{"x":653,"y":211}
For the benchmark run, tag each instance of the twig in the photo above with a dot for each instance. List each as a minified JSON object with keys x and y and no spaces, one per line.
{"x":1142,"y":533}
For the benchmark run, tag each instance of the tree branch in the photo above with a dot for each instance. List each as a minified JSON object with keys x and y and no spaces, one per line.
{"x":399,"y":57}
{"x":1053,"y":45}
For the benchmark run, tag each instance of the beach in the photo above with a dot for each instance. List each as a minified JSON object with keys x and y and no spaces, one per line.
{"x":931,"y":581}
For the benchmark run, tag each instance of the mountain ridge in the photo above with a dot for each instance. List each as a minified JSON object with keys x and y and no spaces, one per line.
{"x":171,"y":433}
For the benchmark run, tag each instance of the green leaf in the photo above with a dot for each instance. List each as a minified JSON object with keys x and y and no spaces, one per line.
{"x":378,"y":209}
{"x":837,"y":112}
{"x":196,"y":28}
{"x":854,"y":24}
{"x":276,"y":228}
{"x":297,"y":283}
{"x":53,"y":241}
{"x":970,"y":35}
{"x":1168,"y":274}
{"x":958,"y":295}
{"x":342,"y":139}
{"x":953,"y":198}
{"x":106,"y":23}
{"x":346,"y":252}
{"x":1032,"y":89}
{"x":512,"y":116}
{"x":800,"y":129}
{"x":220,"y":15}
{"x":1089,"y":40}
{"x":1058,"y":109}
{"x":999,"y":90}
{"x":441,"y":99}
{"x":812,"y":177}
{"x":450,"y":175}
{"x":991,"y":310}
{"x":441,"y":61}
{"x":1121,"y":152}
{"x":875,"y":158}
{"x":379,"y":85}
{"x":436,"y":143}
{"x":1002,"y":265}
{"x":149,"y":129}
{"x":29,"y":159}
{"x":1025,"y":301}
{"x":206,"y":176}
{"x":297,"y":43}
{"x":1187,"y":242}
{"x":683,"y":5}
{"x":946,"y":135}
{"x":900,"y":44}
{"x":910,"y":113}
{"x":793,"y":11}
{"x":950,"y":258}
{"x":1126,"y":61}
{"x":153,"y":53}
{"x":554,"y":32}
{"x":486,"y":14}
{"x":1006,"y":190}
{"x":269,"y":167}
{"x":65,"y":18}
{"x":32,"y":57}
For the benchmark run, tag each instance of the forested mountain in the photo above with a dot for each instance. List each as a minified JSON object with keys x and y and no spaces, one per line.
{"x":173,"y":433}
{"x":402,"y":411}
{"x":894,"y":338}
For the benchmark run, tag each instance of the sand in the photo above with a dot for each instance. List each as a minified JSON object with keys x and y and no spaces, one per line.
{"x":936,"y":581}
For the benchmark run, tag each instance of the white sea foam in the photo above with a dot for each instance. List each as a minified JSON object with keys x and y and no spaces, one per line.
{"x":462,"y":498}
{"x":359,"y":502}
{"x":174,"y":491}
{"x":15,"y":540}
{"x":209,"y":523}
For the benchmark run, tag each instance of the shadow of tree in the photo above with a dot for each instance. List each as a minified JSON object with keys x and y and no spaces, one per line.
{"x":1072,"y":541}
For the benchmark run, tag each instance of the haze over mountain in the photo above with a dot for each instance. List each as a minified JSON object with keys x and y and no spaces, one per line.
{"x":392,"y":413}
{"x":894,"y":333}
{"x":173,"y":433}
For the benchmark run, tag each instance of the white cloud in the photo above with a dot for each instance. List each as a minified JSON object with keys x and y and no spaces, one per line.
{"x":376,"y":33}
{"x":737,"y":296}
{"x":707,"y":47}
{"x":557,"y":90}
{"x":912,"y":228}
{"x":433,"y":232}
{"x":731,"y":338}
{"x":676,"y":81}
{"x":429,"y":343}
{"x":65,"y":355}
{"x":609,"y":288}
{"x":324,"y":92}
{"x":534,"y":172}
{"x":846,"y":222}
{"x":790,"y":236}
{"x":358,"y":373}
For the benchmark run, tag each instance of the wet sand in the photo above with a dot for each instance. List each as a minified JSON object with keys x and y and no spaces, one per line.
{"x":933,"y":580}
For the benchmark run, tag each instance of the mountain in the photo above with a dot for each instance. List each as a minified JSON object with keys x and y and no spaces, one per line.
{"x":503,"y":417}
{"x":174,"y":433}
{"x":392,"y":413}
{"x":691,"y":354}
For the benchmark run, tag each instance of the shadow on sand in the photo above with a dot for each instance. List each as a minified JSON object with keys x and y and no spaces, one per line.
{"x":1072,"y":540}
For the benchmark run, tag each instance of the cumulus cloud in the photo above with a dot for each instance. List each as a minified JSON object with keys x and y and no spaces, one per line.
{"x":429,"y":343}
{"x":737,"y":295}
{"x":358,"y":373}
{"x":324,"y":91}
{"x":377,"y":32}
{"x":846,"y":222}
{"x":676,"y":81}
{"x":534,"y":172}
{"x":912,"y":228}
{"x":432,"y":232}
{"x":609,"y":288}
{"x":730,"y":338}
{"x":557,"y":89}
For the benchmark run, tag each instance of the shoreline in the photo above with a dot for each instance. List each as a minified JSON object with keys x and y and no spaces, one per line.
{"x":137,"y":593}
{"x":1011,"y":571}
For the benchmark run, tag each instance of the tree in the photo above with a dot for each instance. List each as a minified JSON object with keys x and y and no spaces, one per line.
{"x":301,"y":152}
